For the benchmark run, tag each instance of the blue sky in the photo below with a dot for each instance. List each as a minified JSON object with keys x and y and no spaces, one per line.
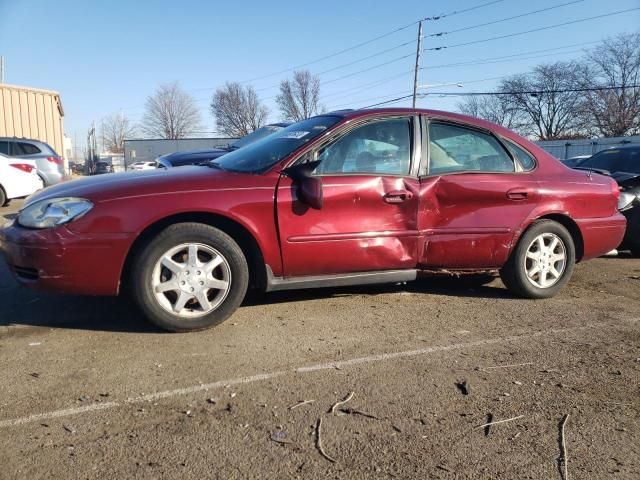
{"x":108,"y":56}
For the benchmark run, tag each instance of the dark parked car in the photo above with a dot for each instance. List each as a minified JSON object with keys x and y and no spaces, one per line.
{"x":102,"y":167}
{"x":344,"y":198}
{"x":49,"y":164}
{"x":572,"y":162}
{"x":196,"y":157}
{"x":623,"y":165}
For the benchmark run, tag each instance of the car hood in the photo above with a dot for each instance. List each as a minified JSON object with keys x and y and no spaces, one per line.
{"x":146,"y":183}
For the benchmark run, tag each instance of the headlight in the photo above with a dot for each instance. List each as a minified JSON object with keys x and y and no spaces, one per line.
{"x":53,"y":212}
{"x":626,"y":200}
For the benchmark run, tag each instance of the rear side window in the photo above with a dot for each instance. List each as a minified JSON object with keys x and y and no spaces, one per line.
{"x":21,"y":148}
{"x":454,"y":148}
{"x":4,"y":147}
{"x":525,"y":158}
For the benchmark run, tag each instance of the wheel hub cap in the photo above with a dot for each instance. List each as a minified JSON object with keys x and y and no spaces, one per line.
{"x":191,"y":280}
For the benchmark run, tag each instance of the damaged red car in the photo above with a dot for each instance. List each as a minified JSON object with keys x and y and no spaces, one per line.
{"x":344,"y":198}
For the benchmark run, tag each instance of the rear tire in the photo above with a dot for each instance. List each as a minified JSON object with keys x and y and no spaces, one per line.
{"x":4,"y":201}
{"x":542,"y":262}
{"x":189,"y":277}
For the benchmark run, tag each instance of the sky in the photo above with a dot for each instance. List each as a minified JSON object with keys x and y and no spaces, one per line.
{"x":106,"y":57}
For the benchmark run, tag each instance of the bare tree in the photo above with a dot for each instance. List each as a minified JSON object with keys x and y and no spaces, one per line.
{"x":299,"y":97}
{"x":115,"y":129}
{"x":614,"y":63}
{"x":494,"y":108}
{"x":541,"y":97}
{"x":171,"y":113}
{"x":237,"y":110}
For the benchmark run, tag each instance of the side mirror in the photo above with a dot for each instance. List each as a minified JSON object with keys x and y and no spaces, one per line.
{"x":310,"y":192}
{"x":309,"y":188}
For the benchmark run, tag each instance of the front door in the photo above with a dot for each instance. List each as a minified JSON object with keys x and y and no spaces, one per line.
{"x":368,"y":220}
{"x":473,"y":200}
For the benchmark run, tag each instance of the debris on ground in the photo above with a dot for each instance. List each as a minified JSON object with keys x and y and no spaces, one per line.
{"x":319,"y":440}
{"x":301,"y":403}
{"x":279,"y":436}
{"x":490,"y":422}
{"x":464,"y":387}
{"x":353,"y":411}
{"x":341,"y":402}
{"x":562,"y":460}
{"x":69,"y":428}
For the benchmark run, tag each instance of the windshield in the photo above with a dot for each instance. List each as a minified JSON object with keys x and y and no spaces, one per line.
{"x":256,"y":135}
{"x":263,"y":154}
{"x":615,"y":160}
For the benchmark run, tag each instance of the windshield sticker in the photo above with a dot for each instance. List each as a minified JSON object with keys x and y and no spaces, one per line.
{"x":297,"y":135}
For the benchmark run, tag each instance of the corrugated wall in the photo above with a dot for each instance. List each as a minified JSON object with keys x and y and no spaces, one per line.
{"x":32,"y":113}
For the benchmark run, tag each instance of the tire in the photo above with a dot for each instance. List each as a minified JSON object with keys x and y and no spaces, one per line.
{"x":635,"y":251}
{"x":4,"y":201}
{"x":518,"y":274}
{"x":180,"y":260}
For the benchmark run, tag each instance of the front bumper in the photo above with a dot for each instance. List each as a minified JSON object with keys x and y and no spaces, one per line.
{"x":58,"y":260}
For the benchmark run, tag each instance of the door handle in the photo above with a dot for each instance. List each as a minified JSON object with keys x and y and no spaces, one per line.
{"x":397,"y":196}
{"x":517,"y":194}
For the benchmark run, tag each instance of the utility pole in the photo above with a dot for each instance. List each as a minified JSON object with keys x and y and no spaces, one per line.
{"x":418,"y":55}
{"x":1,"y":69}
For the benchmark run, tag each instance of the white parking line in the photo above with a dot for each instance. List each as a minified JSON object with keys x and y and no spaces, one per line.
{"x":268,"y":376}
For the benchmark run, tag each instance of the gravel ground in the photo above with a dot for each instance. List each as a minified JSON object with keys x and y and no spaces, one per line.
{"x":91,"y":390}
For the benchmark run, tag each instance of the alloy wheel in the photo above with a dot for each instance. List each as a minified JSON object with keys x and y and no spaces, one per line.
{"x":545,"y":260}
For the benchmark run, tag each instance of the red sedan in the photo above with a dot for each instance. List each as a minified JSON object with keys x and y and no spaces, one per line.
{"x":344,"y":198}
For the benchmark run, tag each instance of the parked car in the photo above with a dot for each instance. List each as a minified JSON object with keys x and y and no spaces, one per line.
{"x":143,"y":166}
{"x":102,"y":167}
{"x":196,"y":157}
{"x":343,"y":198}
{"x":623,"y":165}
{"x":575,"y":161}
{"x":50,"y":165}
{"x":18,"y":178}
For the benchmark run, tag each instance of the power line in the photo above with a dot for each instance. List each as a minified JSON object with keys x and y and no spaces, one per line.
{"x":533,"y":30}
{"x":456,"y":12}
{"x":522,"y":92}
{"x":505,"y":19}
{"x":366,"y":42}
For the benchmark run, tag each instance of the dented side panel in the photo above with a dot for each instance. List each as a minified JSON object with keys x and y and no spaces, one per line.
{"x":356,"y":230}
{"x":469,"y":220}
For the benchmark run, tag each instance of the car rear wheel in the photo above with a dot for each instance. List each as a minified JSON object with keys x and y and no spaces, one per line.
{"x":190,"y":277}
{"x":542,"y":262}
{"x":4,"y":201}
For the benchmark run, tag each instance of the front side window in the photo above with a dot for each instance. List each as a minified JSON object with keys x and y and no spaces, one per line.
{"x":381,"y":147}
{"x":454,"y":148}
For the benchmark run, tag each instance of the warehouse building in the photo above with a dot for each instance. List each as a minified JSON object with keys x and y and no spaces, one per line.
{"x":147,"y":150}
{"x":32,"y":113}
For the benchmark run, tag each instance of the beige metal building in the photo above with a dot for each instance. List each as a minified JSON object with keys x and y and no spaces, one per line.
{"x":32,"y":113}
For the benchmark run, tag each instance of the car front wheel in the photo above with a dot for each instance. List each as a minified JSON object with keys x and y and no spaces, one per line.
{"x":542,"y":262}
{"x":190,"y":277}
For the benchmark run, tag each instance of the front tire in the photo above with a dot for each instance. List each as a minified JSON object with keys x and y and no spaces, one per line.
{"x":542,"y":262}
{"x":190,"y":277}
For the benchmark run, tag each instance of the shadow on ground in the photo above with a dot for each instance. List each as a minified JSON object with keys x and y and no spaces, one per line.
{"x":24,"y":307}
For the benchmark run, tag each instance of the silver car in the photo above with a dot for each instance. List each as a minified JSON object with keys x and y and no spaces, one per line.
{"x":49,"y":164}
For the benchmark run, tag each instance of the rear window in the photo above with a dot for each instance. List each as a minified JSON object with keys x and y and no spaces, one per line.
{"x":22,"y":148}
{"x":4,"y":147}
